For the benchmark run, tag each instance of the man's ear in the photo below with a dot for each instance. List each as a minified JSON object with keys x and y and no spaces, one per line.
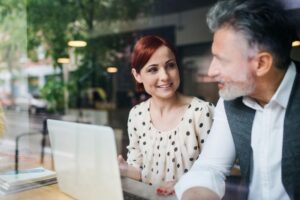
{"x":264,"y":63}
{"x":136,"y":76}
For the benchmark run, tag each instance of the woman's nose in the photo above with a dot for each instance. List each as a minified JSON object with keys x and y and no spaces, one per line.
{"x":163,"y":74}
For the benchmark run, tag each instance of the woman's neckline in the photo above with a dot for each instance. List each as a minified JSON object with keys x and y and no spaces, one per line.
{"x":177,"y":125}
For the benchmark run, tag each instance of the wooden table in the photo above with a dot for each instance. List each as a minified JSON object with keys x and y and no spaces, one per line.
{"x":50,"y":192}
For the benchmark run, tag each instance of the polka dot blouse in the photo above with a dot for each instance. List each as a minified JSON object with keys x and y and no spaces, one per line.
{"x":166,"y":155}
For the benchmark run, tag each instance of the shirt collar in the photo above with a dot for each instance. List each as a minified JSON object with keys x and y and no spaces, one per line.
{"x":283,"y":92}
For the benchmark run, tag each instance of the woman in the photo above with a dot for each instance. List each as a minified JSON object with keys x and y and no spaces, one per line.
{"x":167,"y":131}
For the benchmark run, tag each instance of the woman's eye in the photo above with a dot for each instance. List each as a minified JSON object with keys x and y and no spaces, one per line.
{"x":171,"y":65}
{"x":152,"y":70}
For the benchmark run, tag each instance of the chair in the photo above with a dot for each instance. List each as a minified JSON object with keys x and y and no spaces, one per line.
{"x":44,"y":133}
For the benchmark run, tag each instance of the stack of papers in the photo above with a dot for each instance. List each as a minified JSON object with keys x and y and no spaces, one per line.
{"x":10,"y":182}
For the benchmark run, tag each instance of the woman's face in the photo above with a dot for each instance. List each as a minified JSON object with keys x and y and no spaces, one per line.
{"x":160,"y":75}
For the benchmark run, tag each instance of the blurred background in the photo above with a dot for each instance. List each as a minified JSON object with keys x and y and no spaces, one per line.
{"x":69,"y":60}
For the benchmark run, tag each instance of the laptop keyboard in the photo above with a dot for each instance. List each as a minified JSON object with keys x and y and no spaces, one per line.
{"x":129,"y":196}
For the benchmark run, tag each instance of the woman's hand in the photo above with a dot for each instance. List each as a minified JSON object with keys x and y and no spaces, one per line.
{"x":123,"y":165}
{"x":166,"y":188}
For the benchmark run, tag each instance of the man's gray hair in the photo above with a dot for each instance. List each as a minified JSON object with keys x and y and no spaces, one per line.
{"x":264,"y":25}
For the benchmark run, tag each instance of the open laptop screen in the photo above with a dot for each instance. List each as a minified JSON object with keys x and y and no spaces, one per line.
{"x":85,"y":160}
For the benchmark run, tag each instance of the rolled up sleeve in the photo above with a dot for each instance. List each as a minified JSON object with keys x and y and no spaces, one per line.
{"x":215,"y":160}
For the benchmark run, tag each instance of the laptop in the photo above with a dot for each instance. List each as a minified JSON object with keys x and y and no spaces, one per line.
{"x":85,"y":160}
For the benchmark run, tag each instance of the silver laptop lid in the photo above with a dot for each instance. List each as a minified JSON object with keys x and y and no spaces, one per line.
{"x":85,"y":160}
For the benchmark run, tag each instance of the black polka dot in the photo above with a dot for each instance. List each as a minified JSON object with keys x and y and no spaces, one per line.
{"x":144,"y":123}
{"x":201,"y":125}
{"x":129,"y":120}
{"x":151,"y":169}
{"x":178,"y":165}
{"x":168,"y":170}
{"x":158,"y":147}
{"x":158,"y":155}
{"x":190,"y":120}
{"x":161,"y":138}
{"x":168,"y":153}
{"x":134,"y":129}
{"x":157,"y":172}
{"x":170,"y":137}
{"x":187,"y":133}
{"x":186,"y":170}
{"x":191,"y":159}
{"x":189,"y":106}
{"x":196,"y":109}
{"x":148,"y":109}
{"x":175,"y":132}
{"x":144,"y":134}
{"x":175,"y":149}
{"x":138,"y":142}
{"x":149,"y":128}
{"x":195,"y":147}
{"x":181,"y":119}
{"x":140,"y":113}
{"x":208,"y":131}
{"x":156,"y":163}
{"x":150,"y":183}
{"x":173,"y":160}
{"x":173,"y":142}
{"x":207,"y":114}
{"x":144,"y":143}
{"x":202,"y":141}
{"x":140,"y":137}
{"x":130,"y":135}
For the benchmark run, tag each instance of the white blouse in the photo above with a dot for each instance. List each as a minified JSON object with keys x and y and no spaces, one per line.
{"x":166,"y":155}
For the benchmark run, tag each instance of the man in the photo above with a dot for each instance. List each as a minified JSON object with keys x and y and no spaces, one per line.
{"x":257,"y":117}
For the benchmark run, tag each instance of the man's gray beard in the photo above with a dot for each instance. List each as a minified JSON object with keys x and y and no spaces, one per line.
{"x":232,"y":92}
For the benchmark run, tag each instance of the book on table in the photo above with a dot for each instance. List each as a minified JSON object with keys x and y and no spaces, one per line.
{"x":11,"y":182}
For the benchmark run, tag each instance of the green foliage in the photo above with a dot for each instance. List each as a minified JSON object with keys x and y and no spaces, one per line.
{"x":53,"y":92}
{"x":52,"y":23}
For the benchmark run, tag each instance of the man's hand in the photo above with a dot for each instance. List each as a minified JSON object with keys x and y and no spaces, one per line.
{"x":199,"y":193}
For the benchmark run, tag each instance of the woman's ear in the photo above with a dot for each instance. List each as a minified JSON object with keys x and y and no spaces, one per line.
{"x":136,"y":76}
{"x":264,"y":64}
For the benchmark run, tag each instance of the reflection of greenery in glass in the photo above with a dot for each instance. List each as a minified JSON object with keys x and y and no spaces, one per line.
{"x":13,"y":38}
{"x":53,"y":23}
{"x":53,"y":92}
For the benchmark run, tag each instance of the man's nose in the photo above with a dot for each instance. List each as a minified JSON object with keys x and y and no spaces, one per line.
{"x":213,"y":69}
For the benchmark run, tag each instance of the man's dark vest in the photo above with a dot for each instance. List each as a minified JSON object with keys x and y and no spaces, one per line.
{"x":240,"y":119}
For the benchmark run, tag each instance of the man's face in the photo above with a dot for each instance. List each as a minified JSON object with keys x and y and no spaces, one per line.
{"x":232,"y":65}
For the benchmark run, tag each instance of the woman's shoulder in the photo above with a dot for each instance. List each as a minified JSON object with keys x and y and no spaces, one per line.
{"x":200,"y":102}
{"x":140,"y":108}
